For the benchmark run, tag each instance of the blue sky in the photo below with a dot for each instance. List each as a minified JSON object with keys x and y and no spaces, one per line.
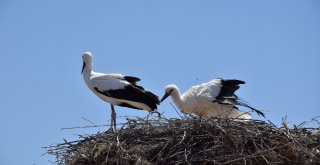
{"x":272,"y":45}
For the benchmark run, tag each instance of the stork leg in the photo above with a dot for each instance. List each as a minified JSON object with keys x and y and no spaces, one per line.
{"x":113,"y":118}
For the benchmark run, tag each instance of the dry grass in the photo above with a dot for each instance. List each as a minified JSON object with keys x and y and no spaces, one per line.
{"x":193,"y":141}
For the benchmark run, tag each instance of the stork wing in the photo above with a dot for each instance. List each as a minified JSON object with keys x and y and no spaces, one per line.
{"x":132,"y":93}
{"x":102,"y":79}
{"x":131,"y":79}
{"x":228,"y":88}
{"x":217,"y":89}
{"x":106,"y":82}
{"x":207,"y":91}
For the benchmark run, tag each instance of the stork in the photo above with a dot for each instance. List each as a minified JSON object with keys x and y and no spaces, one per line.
{"x":117,"y":89}
{"x":215,"y":98}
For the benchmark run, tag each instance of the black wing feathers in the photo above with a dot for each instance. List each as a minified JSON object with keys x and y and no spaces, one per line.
{"x":228,"y":88}
{"x":133,"y":93}
{"x":239,"y":102}
{"x":232,"y":82}
{"x":131,"y":79}
{"x":227,"y":96}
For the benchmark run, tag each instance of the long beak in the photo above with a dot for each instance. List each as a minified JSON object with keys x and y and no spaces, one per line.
{"x":164,"y":97}
{"x":83,"y":66}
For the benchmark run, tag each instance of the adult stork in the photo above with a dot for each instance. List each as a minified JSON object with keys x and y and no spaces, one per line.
{"x":117,"y":89}
{"x":215,"y":98}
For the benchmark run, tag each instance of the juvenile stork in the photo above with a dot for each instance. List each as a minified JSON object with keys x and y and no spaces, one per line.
{"x":117,"y":89}
{"x":215,"y":98}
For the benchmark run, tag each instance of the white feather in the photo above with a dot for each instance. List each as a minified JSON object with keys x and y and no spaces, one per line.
{"x":107,"y":82}
{"x":199,"y":100}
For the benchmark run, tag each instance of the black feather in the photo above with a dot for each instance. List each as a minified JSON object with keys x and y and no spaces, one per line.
{"x":131,"y":79}
{"x":133,"y":93}
{"x":227,"y":96}
{"x":228,"y":88}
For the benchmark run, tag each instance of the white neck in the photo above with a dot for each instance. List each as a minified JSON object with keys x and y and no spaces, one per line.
{"x":87,"y":71}
{"x":88,"y":64}
{"x":177,"y":98}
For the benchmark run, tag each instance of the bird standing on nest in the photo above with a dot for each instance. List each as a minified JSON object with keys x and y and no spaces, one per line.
{"x":215,"y":99}
{"x":117,"y":89}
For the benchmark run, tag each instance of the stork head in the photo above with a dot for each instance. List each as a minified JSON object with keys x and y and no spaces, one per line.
{"x":169,"y":90}
{"x":87,"y":60}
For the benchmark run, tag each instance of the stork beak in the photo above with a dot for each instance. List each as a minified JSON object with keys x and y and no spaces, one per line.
{"x":164,"y":97}
{"x":83,"y":66}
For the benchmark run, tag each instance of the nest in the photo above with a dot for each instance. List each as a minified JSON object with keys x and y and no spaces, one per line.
{"x":193,"y":141}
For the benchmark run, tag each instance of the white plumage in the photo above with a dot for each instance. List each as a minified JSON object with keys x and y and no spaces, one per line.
{"x":215,"y":98}
{"x":117,"y":89}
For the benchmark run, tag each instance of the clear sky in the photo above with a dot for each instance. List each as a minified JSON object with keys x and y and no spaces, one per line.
{"x":272,"y":45}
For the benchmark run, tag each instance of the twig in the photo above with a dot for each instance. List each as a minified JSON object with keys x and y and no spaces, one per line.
{"x":192,"y":141}
{"x":175,"y":110}
{"x":183,"y":137}
{"x":93,"y":126}
{"x":88,"y":121}
{"x":108,"y":152}
{"x":186,"y":156}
